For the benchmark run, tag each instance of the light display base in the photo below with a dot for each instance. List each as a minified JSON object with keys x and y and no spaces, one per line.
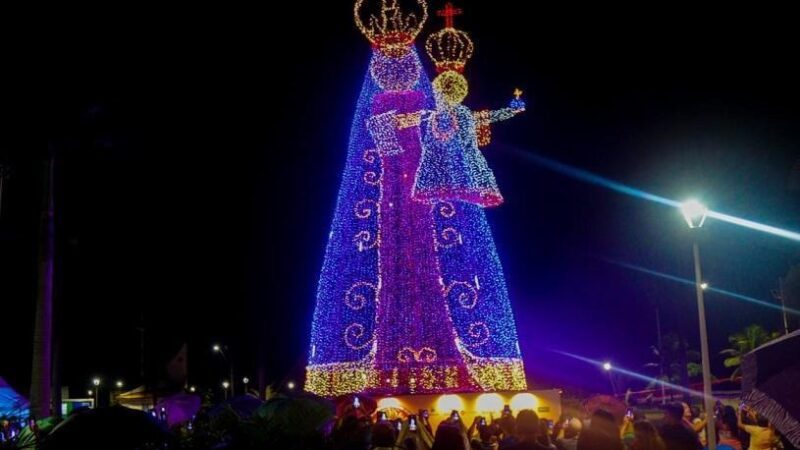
{"x":546,"y":403}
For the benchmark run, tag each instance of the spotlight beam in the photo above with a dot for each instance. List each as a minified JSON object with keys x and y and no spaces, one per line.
{"x":589,"y":177}
{"x":710,"y":288}
{"x":632,"y":374}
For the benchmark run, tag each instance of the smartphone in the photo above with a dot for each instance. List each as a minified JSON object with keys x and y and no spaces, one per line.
{"x":412,"y":423}
{"x":399,"y":426}
{"x":381,"y":416}
{"x":454,"y":415}
{"x":356,"y":403}
{"x":629,"y":413}
{"x":506,"y":410}
{"x":425,"y":414}
{"x":483,"y":421}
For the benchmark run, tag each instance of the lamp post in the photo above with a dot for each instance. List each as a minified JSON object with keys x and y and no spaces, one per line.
{"x":607,"y":367}
{"x":695,"y":213}
{"x":217,"y":348}
{"x":96,"y":384}
{"x":225,"y":386}
{"x":245,"y":381}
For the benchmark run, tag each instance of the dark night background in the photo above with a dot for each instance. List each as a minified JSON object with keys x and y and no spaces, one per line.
{"x":200,"y":154}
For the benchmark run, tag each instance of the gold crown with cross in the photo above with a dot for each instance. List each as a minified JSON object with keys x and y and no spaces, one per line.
{"x":449,"y":48}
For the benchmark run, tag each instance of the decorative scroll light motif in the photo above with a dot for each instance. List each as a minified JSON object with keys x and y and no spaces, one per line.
{"x":479,"y":332}
{"x":464,"y":293}
{"x":446,"y":209}
{"x":424,"y":355}
{"x":359,"y":294}
{"x":449,"y":237}
{"x":365,"y":208}
{"x":354,"y":333}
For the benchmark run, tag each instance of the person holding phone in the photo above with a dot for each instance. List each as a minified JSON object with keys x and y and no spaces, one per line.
{"x":762,"y":435}
{"x":571,"y":430}
{"x":486,"y":439}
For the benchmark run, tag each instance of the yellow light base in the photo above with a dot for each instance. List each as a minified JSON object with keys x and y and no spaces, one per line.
{"x":546,"y":403}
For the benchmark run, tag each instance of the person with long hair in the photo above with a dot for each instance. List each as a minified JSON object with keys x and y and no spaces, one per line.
{"x":449,"y":436}
{"x":646,"y":437}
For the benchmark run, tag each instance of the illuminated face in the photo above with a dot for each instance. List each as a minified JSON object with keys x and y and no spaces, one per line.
{"x":395,"y":73}
{"x":451,"y":87}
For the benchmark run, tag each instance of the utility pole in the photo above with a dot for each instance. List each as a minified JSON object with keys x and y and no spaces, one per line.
{"x":42,"y":364}
{"x":780,"y":295}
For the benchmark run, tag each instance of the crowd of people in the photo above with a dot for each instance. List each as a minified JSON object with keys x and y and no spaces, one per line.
{"x":677,"y":428}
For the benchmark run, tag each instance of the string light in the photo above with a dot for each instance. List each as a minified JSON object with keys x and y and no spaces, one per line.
{"x":392,"y":31}
{"x":452,"y":167}
{"x":451,"y":86}
{"x":449,"y":48}
{"x":399,"y":308}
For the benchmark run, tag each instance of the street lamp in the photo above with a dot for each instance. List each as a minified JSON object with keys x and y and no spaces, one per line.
{"x":695,"y":213}
{"x":225,"y":386}
{"x":96,"y":383}
{"x":290,"y":385}
{"x":608,"y":367}
{"x":217,"y":348}
{"x":192,"y":389}
{"x":245,"y":380}
{"x":120,"y":384}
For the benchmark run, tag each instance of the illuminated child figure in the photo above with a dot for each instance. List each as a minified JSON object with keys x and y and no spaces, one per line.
{"x":452,"y":167}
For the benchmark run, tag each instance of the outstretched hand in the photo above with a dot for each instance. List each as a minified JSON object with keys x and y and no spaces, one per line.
{"x":517,"y":104}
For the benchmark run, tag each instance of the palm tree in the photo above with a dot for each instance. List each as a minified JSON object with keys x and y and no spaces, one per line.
{"x":743,"y":342}
{"x":676,"y":362}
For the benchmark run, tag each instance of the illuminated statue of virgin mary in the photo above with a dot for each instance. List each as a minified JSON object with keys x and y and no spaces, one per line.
{"x":411,"y":297}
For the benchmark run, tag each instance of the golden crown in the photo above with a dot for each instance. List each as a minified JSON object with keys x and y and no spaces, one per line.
{"x":392,"y":31}
{"x":450,"y":49}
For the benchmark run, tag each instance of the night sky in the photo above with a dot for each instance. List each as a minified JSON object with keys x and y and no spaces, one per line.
{"x":200,"y":153}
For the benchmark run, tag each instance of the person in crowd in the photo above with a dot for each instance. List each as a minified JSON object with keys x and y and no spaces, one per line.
{"x":646,"y":437}
{"x":352,"y":433}
{"x":699,"y":422}
{"x":601,"y":434}
{"x":687,"y":414}
{"x":544,"y":434}
{"x":676,"y":432}
{"x":720,"y":445}
{"x":762,"y":435}
{"x":507,"y":426}
{"x":384,"y":435}
{"x":488,"y":439}
{"x":572,"y":429}
{"x":728,"y":428}
{"x":527,"y":432}
{"x":627,"y":432}
{"x":449,"y":436}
